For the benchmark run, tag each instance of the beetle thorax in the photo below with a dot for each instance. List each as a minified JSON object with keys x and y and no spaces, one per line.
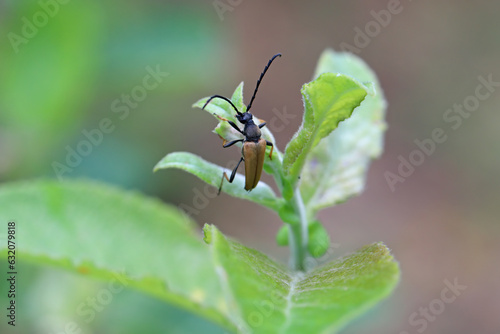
{"x":252,"y":131}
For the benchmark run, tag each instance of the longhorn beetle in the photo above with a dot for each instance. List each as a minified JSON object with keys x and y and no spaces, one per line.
{"x":254,"y":147}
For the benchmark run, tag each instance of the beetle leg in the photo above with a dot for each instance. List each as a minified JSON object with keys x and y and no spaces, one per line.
{"x":261,"y":125}
{"x":268,"y":143}
{"x":230,"y":123}
{"x":231,"y":143}
{"x":236,"y":127}
{"x":230,"y":179}
{"x":233,"y":174}
{"x":221,"y":118}
{"x":225,"y":143}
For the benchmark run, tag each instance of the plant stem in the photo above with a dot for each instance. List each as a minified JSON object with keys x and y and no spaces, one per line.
{"x":299,"y":234}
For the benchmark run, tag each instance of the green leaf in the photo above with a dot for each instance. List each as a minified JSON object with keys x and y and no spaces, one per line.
{"x":267,"y":298}
{"x":319,"y":240}
{"x":105,"y":233}
{"x":237,"y":99}
{"x":282,"y":237}
{"x":220,"y":107}
{"x":328,"y":100}
{"x":336,"y":168}
{"x":212,"y":174}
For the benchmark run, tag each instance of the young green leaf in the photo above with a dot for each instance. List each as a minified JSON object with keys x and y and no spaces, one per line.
{"x":266,"y":298}
{"x":237,"y":99}
{"x":212,"y":174}
{"x":328,"y":100}
{"x":220,"y":107}
{"x":335,"y":169}
{"x":318,"y":242}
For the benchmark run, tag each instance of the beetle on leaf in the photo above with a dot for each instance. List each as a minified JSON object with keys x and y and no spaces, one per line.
{"x":254,"y":147}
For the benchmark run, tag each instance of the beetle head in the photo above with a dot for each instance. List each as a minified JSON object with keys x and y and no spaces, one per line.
{"x":244,"y":117}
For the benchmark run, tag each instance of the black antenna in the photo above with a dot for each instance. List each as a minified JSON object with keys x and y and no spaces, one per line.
{"x":224,"y":98}
{"x":261,"y":76}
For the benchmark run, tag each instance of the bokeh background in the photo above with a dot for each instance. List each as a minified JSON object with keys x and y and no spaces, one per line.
{"x":442,"y":222}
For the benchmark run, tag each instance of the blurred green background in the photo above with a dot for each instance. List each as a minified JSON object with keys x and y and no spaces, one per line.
{"x":63,"y":72}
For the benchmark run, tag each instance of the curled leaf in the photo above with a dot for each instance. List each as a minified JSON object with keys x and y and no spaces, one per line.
{"x":336,"y":168}
{"x":328,"y":100}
